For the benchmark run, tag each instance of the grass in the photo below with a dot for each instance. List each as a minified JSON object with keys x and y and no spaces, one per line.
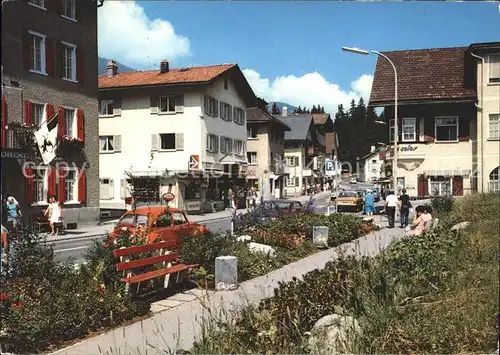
{"x":436,"y":293}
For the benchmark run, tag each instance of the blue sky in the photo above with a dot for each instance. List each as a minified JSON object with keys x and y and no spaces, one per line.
{"x":292,"y":44}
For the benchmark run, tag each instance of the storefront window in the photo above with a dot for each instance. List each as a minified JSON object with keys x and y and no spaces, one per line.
{"x":193,"y":191}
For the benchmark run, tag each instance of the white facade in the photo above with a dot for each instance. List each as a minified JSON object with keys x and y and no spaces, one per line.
{"x":140,"y":139}
{"x":371,"y":167}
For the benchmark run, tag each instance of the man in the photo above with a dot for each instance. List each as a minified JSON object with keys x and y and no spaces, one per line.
{"x":391,"y":203}
{"x":405,"y":205}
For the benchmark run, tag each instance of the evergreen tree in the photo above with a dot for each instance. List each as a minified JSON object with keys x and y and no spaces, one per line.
{"x":275,"y":110}
{"x":314,"y":109}
{"x":352,"y":109}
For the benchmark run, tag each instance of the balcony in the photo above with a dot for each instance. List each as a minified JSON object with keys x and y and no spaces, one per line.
{"x":19,"y":143}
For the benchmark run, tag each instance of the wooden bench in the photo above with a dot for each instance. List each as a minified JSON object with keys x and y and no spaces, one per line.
{"x":168,"y":258}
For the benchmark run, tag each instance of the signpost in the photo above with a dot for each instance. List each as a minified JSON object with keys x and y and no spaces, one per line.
{"x":194,"y":162}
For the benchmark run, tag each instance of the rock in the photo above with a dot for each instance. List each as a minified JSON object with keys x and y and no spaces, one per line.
{"x":320,"y":236}
{"x":261,"y":248}
{"x":461,"y":225}
{"x":244,"y":238}
{"x":226,"y":273}
{"x":334,"y":334}
{"x":434,"y":223}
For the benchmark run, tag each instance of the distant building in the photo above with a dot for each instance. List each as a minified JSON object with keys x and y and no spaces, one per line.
{"x":183,"y":130}
{"x":372,"y":164}
{"x":49,"y":65}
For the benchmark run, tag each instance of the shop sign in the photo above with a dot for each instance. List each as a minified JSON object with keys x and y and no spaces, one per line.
{"x":251,"y":172}
{"x":193,"y":205}
{"x":407,"y":148}
{"x":168,"y":196}
{"x":14,"y":155}
{"x":194,"y":162}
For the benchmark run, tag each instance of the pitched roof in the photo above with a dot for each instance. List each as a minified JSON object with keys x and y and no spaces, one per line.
{"x":320,"y":118}
{"x":423,"y":75}
{"x":299,"y":126}
{"x":257,"y":115}
{"x":173,"y":76}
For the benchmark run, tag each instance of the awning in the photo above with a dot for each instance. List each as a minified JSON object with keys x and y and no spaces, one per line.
{"x":229,"y":159}
{"x":457,"y":172}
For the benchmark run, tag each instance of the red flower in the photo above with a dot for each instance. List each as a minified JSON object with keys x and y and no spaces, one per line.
{"x":100,"y":290}
{"x":4,"y":296}
{"x":19,"y":304}
{"x":105,"y":245}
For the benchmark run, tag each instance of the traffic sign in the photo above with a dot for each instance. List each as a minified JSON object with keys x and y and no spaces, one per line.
{"x":194,"y":162}
{"x":168,"y":196}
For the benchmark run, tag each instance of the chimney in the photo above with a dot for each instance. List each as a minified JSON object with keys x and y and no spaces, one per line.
{"x":284,"y":111}
{"x":111,"y":68}
{"x":164,"y":66}
{"x":372,"y":149}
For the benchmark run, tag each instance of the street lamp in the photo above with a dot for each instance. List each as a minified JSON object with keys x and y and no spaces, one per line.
{"x":395,"y":157}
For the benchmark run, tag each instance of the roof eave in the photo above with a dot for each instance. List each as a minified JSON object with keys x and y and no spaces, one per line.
{"x":194,"y":83}
{"x":425,"y":101}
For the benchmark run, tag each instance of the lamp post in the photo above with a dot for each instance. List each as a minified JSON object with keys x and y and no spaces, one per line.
{"x":395,"y":157}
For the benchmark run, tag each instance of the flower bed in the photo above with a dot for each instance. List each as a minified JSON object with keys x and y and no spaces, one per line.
{"x":435,"y":293}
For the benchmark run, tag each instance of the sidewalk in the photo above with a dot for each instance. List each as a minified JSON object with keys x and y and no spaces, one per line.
{"x":176,"y":324}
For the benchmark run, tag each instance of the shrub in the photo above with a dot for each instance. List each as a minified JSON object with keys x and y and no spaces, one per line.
{"x":442,"y":204}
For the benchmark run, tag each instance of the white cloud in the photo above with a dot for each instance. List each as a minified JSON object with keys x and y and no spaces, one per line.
{"x":308,"y":90}
{"x":126,"y":34}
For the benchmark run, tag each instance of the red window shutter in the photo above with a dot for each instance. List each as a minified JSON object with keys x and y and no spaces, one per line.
{"x":52,"y":181}
{"x":62,"y":182}
{"x":26,"y":50}
{"x":458,"y":186}
{"x":49,"y":56}
{"x":61,"y":124}
{"x":50,"y":111}
{"x":80,"y":125}
{"x":4,"y":122}
{"x":82,"y":187}
{"x":28,"y":117}
{"x":422,"y":185}
{"x":80,"y":73}
{"x":28,"y":173}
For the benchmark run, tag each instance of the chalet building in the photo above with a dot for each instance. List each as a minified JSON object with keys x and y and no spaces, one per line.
{"x":438,"y":143}
{"x":49,"y":64}
{"x":181,"y":131}
{"x":266,"y":147}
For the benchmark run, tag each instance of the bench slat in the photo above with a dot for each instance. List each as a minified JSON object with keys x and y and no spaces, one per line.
{"x":158,"y":273}
{"x":146,"y":261}
{"x":144,"y":248}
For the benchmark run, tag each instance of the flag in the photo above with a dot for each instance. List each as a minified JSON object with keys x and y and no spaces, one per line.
{"x":46,"y":137}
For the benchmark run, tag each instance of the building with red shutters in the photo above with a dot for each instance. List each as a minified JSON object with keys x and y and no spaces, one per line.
{"x":49,"y":65}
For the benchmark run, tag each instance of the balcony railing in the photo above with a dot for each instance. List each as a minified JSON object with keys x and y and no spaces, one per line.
{"x":17,"y":139}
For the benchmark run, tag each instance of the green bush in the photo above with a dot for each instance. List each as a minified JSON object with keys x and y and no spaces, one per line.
{"x":46,"y":303}
{"x":442,"y":204}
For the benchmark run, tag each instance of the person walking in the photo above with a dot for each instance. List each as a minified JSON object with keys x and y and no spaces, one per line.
{"x":404,"y":208}
{"x":54,"y":213}
{"x":13,"y":215}
{"x":369,"y":203}
{"x":391,"y":203}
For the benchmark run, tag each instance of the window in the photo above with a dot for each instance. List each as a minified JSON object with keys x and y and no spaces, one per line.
{"x":37,"y":52}
{"x":447,"y":129}
{"x":70,"y":185}
{"x":39,"y":195}
{"x":69,"y":61}
{"x":69,"y":8}
{"x":211,"y":106}
{"x":494,"y":126}
{"x":69,"y":122}
{"x":226,"y":145}
{"x":239,"y":116}
{"x":494,"y":68}
{"x":494,"y":180}
{"x":39,"y":3}
{"x":106,"y":191}
{"x":165,"y":220}
{"x":106,"y":107}
{"x":225,"y":84}
{"x":106,"y":144}
{"x":279,"y":137}
{"x":292,"y":181}
{"x":292,"y":161}
{"x":409,"y":129}
{"x":135,"y":219}
{"x":167,"y":104}
{"x":212,"y":143}
{"x":238,"y":147}
{"x":391,"y":130}
{"x":167,"y":141}
{"x":252,"y":132}
{"x":37,"y":113}
{"x":225,"y":111}
{"x":440,"y":186}
{"x":252,"y":157}
{"x":179,"y":218}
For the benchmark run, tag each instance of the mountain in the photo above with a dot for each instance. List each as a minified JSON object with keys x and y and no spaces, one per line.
{"x":280,"y":105}
{"x":103,"y":62}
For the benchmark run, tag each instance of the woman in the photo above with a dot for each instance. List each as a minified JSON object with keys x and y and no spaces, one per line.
{"x":13,"y":215}
{"x":419,"y":223}
{"x":369,"y":203}
{"x":54,"y":213}
{"x":427,"y":217}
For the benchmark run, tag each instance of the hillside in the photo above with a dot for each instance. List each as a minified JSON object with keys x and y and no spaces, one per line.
{"x":281,"y":105}
{"x":102,"y":62}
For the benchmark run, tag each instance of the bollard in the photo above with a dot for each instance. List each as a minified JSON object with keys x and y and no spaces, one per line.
{"x":226,"y":273}
{"x":320,"y":236}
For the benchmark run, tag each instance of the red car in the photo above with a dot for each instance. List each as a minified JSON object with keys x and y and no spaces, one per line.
{"x":165,"y":223}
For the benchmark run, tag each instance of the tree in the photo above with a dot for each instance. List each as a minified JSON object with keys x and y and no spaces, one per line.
{"x":275,"y":110}
{"x":314,"y":109}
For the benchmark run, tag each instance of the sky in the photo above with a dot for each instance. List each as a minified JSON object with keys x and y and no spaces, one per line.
{"x":289,"y":51}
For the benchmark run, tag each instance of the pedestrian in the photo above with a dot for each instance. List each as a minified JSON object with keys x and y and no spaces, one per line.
{"x":5,"y":245}
{"x":427,"y":217}
{"x":54,"y":214}
{"x":369,"y":203}
{"x":404,"y":208}
{"x":418,"y":226}
{"x":391,"y":203}
{"x":13,"y":215}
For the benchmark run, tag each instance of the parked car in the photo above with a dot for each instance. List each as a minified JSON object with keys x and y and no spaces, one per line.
{"x":349,"y":200}
{"x":275,"y":208}
{"x":166,"y":223}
